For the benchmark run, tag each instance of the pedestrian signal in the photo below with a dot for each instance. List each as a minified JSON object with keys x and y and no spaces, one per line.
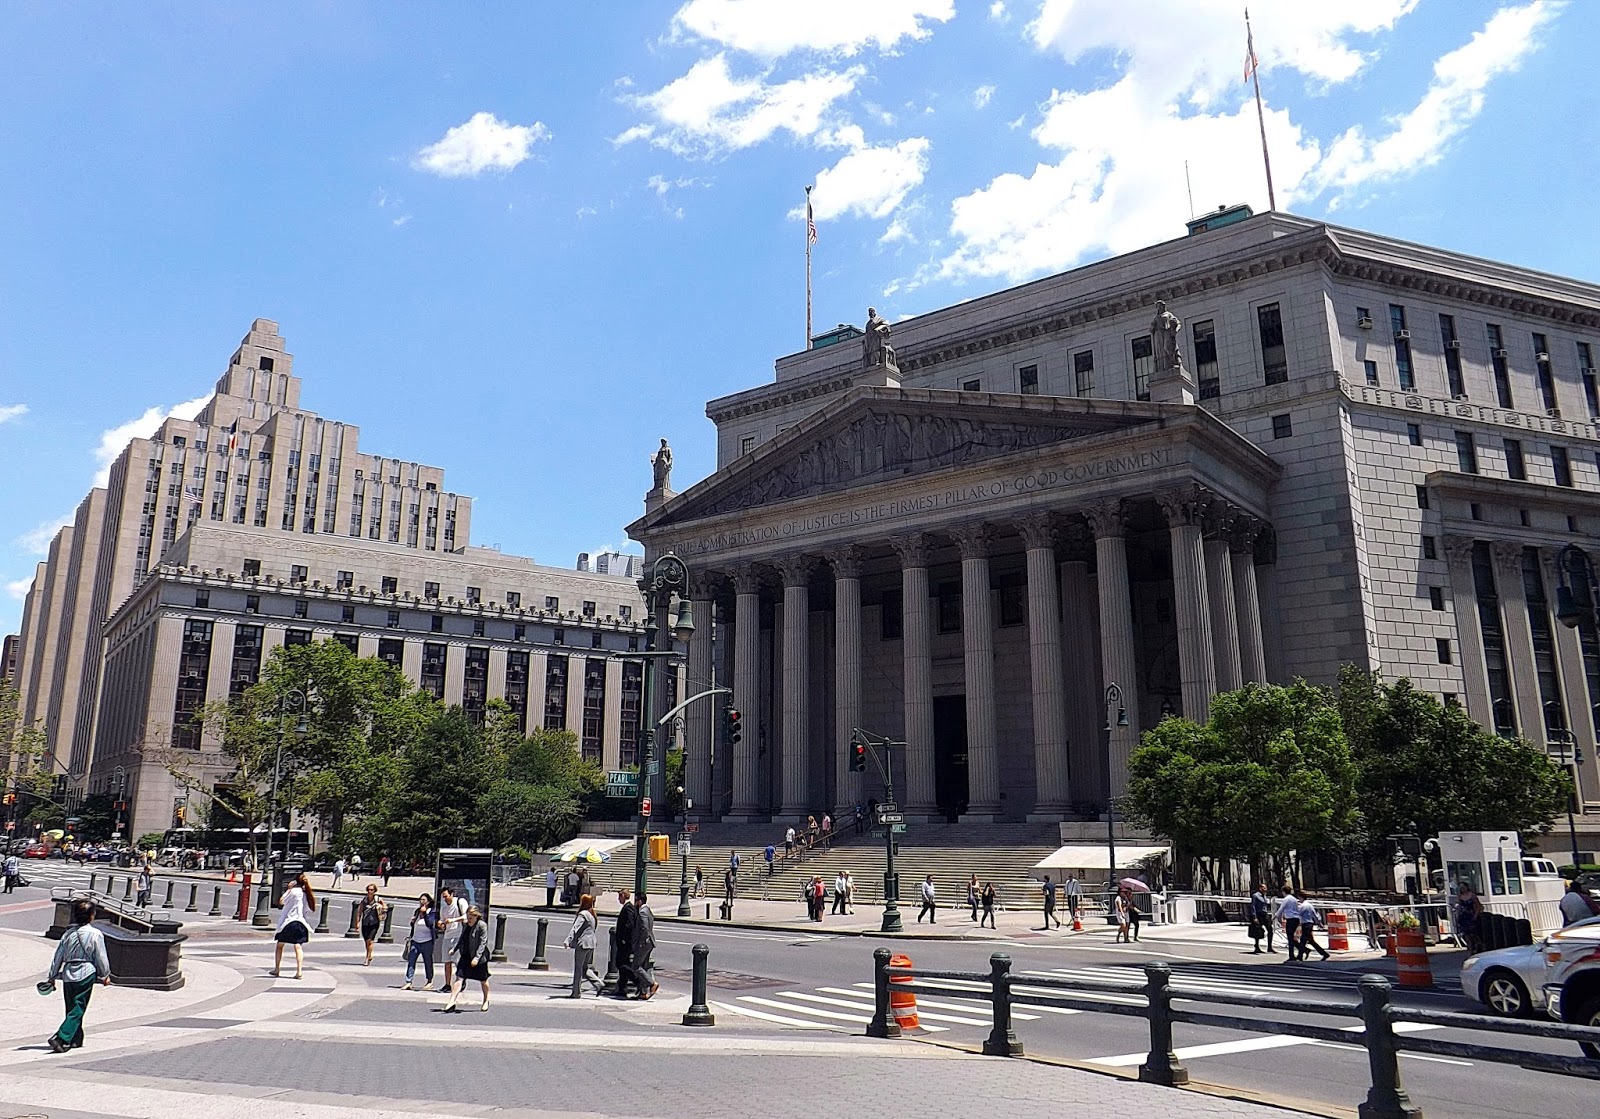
{"x":735,"y":730}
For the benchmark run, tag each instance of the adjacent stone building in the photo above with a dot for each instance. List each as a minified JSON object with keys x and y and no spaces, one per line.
{"x":258,"y":524}
{"x":1349,"y":449}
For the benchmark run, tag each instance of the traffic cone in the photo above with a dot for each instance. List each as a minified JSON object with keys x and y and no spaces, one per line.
{"x":1077,"y":922}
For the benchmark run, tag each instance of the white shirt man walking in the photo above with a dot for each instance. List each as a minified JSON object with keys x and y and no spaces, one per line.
{"x":930,"y":907}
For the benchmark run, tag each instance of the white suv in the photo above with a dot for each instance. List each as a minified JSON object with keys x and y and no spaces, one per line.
{"x":1572,"y":977}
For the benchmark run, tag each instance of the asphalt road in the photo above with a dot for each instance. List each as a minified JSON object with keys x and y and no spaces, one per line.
{"x":781,"y":981}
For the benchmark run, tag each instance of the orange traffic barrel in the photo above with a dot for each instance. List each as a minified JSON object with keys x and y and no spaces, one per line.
{"x":1411,"y":959}
{"x":902,"y":999}
{"x":1338,"y":932}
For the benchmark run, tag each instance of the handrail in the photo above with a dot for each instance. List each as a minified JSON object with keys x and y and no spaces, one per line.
{"x":1376,"y":1033}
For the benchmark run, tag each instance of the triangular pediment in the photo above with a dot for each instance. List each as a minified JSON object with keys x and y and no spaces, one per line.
{"x":882,"y":434}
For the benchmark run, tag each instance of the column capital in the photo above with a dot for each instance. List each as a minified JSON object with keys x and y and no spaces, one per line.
{"x":1077,"y":540}
{"x":1267,"y":546}
{"x":747,"y":578}
{"x":1244,"y":533}
{"x":704,"y":585}
{"x":974,"y":539}
{"x":912,"y":549}
{"x":1107,"y":518}
{"x":1185,"y":505}
{"x":796,"y":569}
{"x":1039,"y":530}
{"x":1218,"y":519}
{"x":1458,"y":549}
{"x":1508,"y":552}
{"x":845,"y":561}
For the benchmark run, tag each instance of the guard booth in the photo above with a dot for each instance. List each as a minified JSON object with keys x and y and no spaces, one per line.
{"x":284,"y":872}
{"x":1506,"y":881}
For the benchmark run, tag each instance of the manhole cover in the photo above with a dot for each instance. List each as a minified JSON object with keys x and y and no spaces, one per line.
{"x":726,"y":980}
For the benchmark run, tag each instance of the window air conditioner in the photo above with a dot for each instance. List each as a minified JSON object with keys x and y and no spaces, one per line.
{"x":1500,"y":353}
{"x":1541,"y":356}
{"x":1553,"y":413}
{"x":1459,"y":396}
{"x":1453,"y":344}
{"x":1365,"y":322}
{"x":1402,"y":336}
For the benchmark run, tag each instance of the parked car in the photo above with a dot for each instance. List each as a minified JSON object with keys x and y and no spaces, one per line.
{"x":1512,"y":982}
{"x":36,"y":851}
{"x":1572,"y":983}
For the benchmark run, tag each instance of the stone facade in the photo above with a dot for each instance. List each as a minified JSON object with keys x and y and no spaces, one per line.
{"x":1391,"y":446}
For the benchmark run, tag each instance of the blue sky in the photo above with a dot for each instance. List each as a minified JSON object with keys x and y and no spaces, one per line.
{"x":525,"y":241}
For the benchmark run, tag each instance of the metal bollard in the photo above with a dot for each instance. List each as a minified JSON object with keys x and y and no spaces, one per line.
{"x":1387,"y":1099}
{"x":699,"y":1014}
{"x":352,"y":932}
{"x":497,"y":954}
{"x":167,"y":901}
{"x":263,"y":917}
{"x":1161,"y":1066}
{"x":1002,"y":1040}
{"x":92,"y":877}
{"x":216,"y":902}
{"x":539,"y":963}
{"x":883,"y":1022}
{"x":322,"y":917}
{"x":194,"y":898}
{"x":241,"y":911}
{"x":386,"y":935}
{"x":127,"y":894}
{"x":609,"y":982}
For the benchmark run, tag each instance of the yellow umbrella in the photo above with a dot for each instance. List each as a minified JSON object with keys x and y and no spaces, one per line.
{"x":586,"y":855}
{"x":55,"y":834}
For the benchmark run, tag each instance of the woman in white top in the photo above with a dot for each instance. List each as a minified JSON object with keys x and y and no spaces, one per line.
{"x":294,"y":923}
{"x":452,"y":921}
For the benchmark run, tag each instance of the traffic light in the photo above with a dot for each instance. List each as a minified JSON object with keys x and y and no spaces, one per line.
{"x":735,"y":730}
{"x":858,"y":756}
{"x":11,"y":798}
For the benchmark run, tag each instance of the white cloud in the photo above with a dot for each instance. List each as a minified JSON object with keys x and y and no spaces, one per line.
{"x":36,"y":540}
{"x":839,"y":27}
{"x":18,"y":588}
{"x":662,"y":185}
{"x":869,"y":182}
{"x":1112,"y":177}
{"x":897,"y":232}
{"x":10,"y":412}
{"x":982,"y":96}
{"x":586,"y":212}
{"x":997,"y":12}
{"x":1454,"y":97}
{"x":710,"y":111}
{"x":114,"y":439}
{"x":483,"y":143}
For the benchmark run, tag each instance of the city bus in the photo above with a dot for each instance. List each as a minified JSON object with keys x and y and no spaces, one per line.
{"x":221,"y":848}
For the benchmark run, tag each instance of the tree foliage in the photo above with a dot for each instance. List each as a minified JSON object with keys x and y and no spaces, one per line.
{"x":1426,"y":767}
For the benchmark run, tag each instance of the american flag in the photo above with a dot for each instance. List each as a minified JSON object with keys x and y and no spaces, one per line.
{"x":233,"y":437}
{"x":811,"y":224}
{"x":192,"y":492}
{"x":1250,"y":61}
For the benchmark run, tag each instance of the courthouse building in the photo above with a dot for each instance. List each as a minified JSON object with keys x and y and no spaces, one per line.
{"x":1373,"y":453}
{"x":259,"y":524}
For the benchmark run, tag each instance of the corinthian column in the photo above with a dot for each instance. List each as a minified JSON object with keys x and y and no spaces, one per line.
{"x":1224,"y":615}
{"x":921,"y":798}
{"x":1184,"y":508}
{"x":977,"y":642}
{"x":1247,"y":599}
{"x":846,"y":563}
{"x":1469,"y":629}
{"x":746,"y":691}
{"x":1108,"y":521}
{"x":1519,"y":639}
{"x":1044,"y":662}
{"x":796,"y":682}
{"x":699,"y":718}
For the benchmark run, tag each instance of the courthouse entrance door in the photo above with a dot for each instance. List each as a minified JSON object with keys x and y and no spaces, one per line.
{"x":950,"y":755}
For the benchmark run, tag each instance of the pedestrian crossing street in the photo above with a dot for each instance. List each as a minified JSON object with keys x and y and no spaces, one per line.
{"x":848,"y":1007}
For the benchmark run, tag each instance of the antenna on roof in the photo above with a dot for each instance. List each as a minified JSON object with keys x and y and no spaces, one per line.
{"x":1189,"y":187}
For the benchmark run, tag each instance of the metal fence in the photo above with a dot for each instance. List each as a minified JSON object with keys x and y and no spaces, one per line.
{"x":1154,"y":1001}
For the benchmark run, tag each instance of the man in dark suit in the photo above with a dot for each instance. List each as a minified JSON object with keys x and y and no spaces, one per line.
{"x":627,"y":931}
{"x":644,"y":943}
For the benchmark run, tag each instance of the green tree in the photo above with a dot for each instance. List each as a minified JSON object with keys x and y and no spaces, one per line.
{"x":1268,"y":774}
{"x":1425,"y":767}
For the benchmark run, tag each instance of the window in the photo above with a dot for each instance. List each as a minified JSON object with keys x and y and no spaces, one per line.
{"x":202,"y":598}
{"x":474,"y":594}
{"x":293,"y":637}
{"x":588,"y":609}
{"x":949,"y":607}
{"x":1430,"y":548}
{"x":559,"y":636}
{"x":265,"y":365}
{"x":1475,"y":511}
{"x":1443,"y":644}
{"x":477,"y":627}
{"x":1274,"y":358}
{"x":1562,"y":466}
{"x":1402,"y":348}
{"x":1028,"y":380}
{"x":1282,"y":426}
{"x":1547,"y":378}
{"x":890,"y":617}
{"x":1572,"y":523}
{"x":300,"y":607}
{"x":389,"y":584}
{"x":1436,"y":597}
{"x":391,"y":650}
{"x":552,"y":605}
{"x":1370,"y":367}
{"x":194,"y":670}
{"x":252,"y":568}
{"x":346,"y":580}
{"x":1452,"y":355}
{"x":555,"y":693}
{"x":1466,"y":453}
{"x":430,"y":591}
{"x":1516,"y":467}
{"x":1414,"y":434}
{"x":350,"y":641}
{"x":347,"y":614}
{"x":1364,"y":318}
{"x":1013,"y":602}
{"x":625,"y":612}
{"x":513,"y":600}
{"x":1205,"y":359}
{"x":747,"y":444}
{"x":519,"y":632}
{"x":475,"y":684}
{"x":596,"y":640}
{"x":1143,"y":363}
{"x":1497,"y":356}
{"x":628,"y":725}
{"x":1586,"y":370}
{"x":1083,"y":373}
{"x":1522,"y":517}
{"x":974,"y":385}
{"x":516,"y":691}
{"x":297,"y":574}
{"x":436,"y":623}
{"x":1422,"y":497}
{"x":246,"y":667}
{"x":434,"y":659}
{"x":252,"y":604}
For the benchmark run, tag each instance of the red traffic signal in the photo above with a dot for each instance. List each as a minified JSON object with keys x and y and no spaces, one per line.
{"x":858,"y":756}
{"x":735,"y":727}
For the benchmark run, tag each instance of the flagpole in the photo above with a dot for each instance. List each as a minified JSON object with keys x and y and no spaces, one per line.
{"x":808,"y":229}
{"x":1261,"y":117}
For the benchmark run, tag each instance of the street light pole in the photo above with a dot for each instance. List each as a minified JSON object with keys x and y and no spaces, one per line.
{"x":1571,"y":757}
{"x":284,"y":706}
{"x":1113,"y":698}
{"x":668,"y":579}
{"x":882,"y":752}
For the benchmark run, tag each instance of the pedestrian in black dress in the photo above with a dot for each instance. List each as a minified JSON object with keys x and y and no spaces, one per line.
{"x":472,"y":959}
{"x":988,"y":905}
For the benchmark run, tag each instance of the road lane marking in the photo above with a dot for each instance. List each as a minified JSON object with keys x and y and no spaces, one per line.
{"x":965,"y":1008}
{"x":750,"y":1013}
{"x":1250,"y":1044}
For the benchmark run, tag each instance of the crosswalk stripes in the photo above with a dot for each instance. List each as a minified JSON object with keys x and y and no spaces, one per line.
{"x":1226,"y":978}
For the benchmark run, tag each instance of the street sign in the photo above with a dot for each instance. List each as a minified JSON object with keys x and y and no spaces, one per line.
{"x":621,"y":783}
{"x":684,"y":846}
{"x":654,"y":768}
{"x":644,"y":807}
{"x":898,"y":829}
{"x":891,"y":818}
{"x":691,"y":828}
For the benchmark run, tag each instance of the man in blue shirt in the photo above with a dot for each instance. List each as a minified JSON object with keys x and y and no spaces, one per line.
{"x":771,"y":853}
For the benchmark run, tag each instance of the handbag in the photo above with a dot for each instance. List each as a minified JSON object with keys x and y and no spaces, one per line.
{"x":405,"y":953}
